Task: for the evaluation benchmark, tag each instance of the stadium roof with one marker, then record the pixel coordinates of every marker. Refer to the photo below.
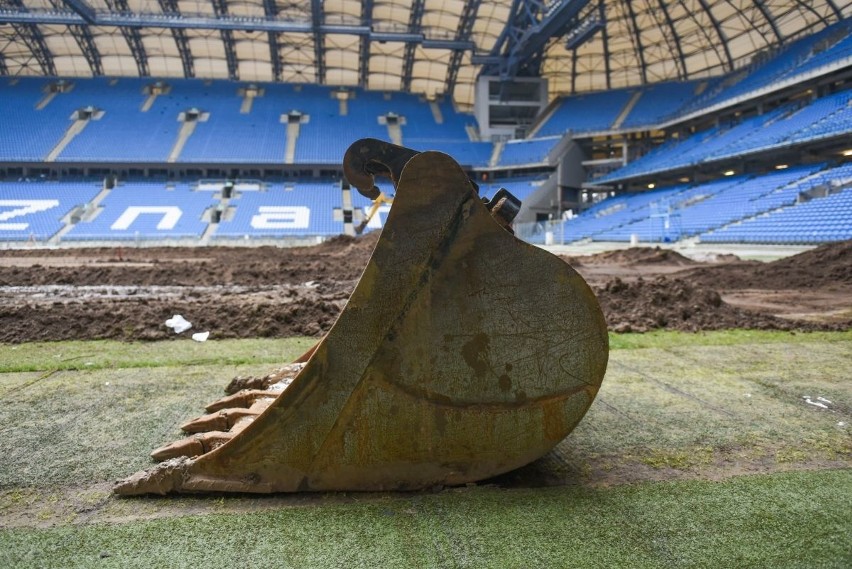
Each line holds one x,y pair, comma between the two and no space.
422,46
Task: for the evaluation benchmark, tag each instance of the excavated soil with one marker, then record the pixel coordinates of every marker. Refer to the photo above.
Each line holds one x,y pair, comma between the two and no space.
127,294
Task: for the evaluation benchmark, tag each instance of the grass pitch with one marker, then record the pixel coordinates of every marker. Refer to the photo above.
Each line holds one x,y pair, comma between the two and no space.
702,450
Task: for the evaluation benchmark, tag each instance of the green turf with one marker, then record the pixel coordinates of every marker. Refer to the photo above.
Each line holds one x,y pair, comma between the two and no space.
683,408
675,411
182,351
780,521
99,354
669,339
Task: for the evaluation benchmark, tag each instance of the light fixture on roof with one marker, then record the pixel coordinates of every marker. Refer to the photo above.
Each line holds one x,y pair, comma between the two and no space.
782,166
729,173
652,185
847,152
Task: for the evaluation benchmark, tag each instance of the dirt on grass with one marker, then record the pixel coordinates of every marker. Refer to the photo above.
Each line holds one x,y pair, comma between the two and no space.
128,293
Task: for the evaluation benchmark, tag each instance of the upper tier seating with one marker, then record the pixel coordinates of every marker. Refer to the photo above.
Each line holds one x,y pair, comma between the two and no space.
828,47
788,125
146,210
658,102
230,136
126,132
34,210
532,151
662,102
593,112
27,134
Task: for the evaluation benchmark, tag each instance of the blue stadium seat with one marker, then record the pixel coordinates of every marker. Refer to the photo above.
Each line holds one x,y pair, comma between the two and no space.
34,210
146,210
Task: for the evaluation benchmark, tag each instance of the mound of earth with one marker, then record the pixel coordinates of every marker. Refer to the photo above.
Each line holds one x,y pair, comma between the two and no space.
829,265
676,304
340,258
235,292
632,256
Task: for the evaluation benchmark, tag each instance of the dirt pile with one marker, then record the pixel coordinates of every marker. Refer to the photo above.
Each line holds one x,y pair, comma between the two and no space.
676,304
826,266
632,256
128,294
337,259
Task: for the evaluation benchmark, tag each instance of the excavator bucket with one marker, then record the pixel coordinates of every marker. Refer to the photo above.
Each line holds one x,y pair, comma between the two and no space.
462,353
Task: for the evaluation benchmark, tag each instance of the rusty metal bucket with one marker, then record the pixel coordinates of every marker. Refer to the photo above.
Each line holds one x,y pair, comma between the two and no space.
462,353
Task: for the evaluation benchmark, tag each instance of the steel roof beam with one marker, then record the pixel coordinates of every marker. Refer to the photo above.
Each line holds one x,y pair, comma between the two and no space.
761,6
317,18
33,38
270,10
414,20
31,35
722,38
676,37
177,21
468,17
220,8
640,49
605,39
132,37
807,6
170,7
835,9
83,36
531,25
364,61
86,12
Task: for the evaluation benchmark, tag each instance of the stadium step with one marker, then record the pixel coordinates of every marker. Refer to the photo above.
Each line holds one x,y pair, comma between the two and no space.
76,128
496,153
293,129
186,130
619,120
436,112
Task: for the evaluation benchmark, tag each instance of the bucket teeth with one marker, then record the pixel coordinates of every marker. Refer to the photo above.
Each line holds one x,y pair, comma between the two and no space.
220,421
226,419
245,398
192,446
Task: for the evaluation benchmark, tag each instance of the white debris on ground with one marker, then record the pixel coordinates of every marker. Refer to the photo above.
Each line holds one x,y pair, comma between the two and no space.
178,323
816,403
310,284
841,424
201,336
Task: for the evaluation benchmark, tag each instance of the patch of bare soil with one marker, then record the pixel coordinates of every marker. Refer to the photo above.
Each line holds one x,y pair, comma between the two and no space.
128,294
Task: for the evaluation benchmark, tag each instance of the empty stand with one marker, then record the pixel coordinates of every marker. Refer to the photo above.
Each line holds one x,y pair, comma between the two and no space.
586,113
523,152
284,209
34,211
679,212
786,126
144,211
